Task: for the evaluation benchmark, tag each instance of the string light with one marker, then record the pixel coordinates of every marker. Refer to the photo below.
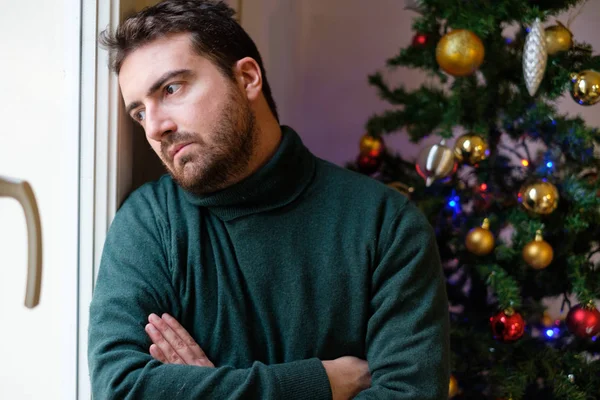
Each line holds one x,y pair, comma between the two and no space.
421,39
549,164
525,163
483,187
454,202
553,333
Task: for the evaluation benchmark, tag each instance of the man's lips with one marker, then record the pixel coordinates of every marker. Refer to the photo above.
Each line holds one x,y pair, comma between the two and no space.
176,149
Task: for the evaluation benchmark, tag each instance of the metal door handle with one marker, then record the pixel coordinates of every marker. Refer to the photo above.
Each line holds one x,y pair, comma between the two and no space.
22,192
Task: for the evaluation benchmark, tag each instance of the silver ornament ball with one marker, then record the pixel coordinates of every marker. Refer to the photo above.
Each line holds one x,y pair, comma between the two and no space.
435,162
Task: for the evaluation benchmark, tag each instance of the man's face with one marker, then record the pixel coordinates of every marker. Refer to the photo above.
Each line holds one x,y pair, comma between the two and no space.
198,121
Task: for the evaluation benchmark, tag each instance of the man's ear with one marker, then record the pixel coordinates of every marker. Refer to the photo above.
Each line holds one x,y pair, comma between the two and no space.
248,75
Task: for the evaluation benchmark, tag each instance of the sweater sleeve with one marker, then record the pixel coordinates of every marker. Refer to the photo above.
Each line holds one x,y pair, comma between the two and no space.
134,280
408,331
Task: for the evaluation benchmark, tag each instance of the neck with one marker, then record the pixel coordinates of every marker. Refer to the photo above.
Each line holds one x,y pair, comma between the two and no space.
268,138
278,182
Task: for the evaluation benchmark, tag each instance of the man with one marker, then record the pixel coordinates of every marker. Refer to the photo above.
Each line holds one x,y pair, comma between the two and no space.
255,270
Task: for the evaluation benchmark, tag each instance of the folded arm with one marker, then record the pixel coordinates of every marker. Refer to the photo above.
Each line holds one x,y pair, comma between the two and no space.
408,332
134,281
172,344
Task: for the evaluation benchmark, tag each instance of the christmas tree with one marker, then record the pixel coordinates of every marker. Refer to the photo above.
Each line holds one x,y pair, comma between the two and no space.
511,188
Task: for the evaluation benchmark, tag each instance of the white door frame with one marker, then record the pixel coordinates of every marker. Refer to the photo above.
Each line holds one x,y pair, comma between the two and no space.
105,159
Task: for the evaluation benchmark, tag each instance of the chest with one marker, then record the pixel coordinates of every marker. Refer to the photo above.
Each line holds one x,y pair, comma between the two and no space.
258,291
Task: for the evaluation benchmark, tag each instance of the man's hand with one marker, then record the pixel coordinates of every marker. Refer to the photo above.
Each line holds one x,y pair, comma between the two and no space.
348,376
172,344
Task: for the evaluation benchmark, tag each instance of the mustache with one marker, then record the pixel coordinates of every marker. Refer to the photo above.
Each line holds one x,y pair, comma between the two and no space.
176,138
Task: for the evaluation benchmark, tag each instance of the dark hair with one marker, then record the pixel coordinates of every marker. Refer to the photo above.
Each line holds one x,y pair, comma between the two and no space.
215,34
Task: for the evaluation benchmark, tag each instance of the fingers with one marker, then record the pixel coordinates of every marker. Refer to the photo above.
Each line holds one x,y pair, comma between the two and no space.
174,345
169,354
187,339
364,377
348,376
157,353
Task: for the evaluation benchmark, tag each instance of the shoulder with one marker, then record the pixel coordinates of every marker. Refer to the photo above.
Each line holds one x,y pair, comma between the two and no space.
380,211
361,191
152,192
368,208
150,201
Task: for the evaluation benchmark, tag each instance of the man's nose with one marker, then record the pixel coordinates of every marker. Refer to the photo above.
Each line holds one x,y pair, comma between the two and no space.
158,124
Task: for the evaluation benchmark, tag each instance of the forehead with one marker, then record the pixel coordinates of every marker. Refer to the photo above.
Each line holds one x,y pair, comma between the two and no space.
144,65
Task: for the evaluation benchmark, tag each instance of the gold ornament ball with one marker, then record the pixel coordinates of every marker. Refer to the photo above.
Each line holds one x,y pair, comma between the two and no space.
371,145
480,241
586,87
538,253
460,52
470,149
453,387
539,197
558,38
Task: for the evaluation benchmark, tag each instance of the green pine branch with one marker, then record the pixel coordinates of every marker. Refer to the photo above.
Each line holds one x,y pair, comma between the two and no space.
494,103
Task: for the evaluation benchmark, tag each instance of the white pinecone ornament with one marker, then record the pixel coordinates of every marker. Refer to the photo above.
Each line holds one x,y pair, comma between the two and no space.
535,57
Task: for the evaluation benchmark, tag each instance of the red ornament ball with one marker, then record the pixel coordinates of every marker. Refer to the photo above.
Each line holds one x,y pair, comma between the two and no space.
583,321
507,326
368,164
420,40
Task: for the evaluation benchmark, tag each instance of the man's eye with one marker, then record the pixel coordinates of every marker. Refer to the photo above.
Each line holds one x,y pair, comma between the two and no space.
139,115
172,88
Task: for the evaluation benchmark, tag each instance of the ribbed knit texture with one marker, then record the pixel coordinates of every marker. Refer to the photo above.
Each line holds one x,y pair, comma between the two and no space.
301,262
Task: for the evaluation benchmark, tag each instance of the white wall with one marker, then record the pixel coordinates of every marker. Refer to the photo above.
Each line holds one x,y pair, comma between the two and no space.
39,143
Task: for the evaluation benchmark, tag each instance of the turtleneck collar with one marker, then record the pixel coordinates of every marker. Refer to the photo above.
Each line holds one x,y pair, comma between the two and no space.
277,183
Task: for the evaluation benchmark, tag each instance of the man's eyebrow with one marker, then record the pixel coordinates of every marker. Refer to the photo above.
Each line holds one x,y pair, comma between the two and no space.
156,85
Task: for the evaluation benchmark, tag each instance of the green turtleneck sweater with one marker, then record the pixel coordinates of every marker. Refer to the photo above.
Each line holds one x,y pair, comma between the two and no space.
303,261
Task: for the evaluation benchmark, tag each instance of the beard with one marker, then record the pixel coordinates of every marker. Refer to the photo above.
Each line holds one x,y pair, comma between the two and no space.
217,165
